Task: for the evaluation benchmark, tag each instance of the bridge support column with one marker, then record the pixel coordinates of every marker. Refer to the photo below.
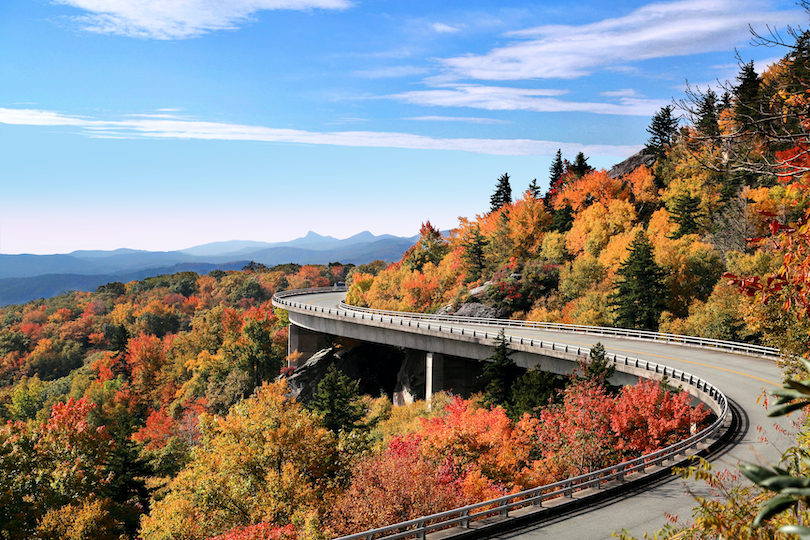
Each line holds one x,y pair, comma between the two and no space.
434,374
305,342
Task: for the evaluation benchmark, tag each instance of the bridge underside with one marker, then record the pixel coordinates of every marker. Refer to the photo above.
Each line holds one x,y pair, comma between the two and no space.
433,362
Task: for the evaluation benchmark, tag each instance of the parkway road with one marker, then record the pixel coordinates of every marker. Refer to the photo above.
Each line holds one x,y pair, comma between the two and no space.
743,379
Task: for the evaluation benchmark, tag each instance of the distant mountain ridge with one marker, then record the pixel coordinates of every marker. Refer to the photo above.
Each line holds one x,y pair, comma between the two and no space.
129,260
26,277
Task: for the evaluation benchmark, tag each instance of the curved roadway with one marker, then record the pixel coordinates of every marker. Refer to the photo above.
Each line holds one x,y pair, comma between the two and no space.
743,380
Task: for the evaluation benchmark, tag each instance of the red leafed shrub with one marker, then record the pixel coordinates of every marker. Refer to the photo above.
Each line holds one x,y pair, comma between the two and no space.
575,437
395,486
470,439
647,417
259,531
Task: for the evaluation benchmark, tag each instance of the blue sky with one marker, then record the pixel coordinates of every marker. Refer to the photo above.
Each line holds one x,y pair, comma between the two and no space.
164,124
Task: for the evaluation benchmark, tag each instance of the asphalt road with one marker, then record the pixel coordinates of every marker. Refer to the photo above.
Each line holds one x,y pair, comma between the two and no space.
743,379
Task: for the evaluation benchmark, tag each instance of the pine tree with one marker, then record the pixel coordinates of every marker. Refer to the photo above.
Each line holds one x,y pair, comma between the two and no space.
337,400
500,373
474,254
599,367
725,102
638,298
562,219
502,195
707,121
533,390
534,189
746,97
685,212
580,166
662,129
556,170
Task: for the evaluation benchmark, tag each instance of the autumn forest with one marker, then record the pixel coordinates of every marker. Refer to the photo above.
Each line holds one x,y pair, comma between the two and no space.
160,409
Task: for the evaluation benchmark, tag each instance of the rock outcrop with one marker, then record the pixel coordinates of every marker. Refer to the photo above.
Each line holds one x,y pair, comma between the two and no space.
631,164
479,310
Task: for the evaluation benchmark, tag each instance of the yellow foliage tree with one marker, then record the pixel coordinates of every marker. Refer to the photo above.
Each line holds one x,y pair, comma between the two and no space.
269,460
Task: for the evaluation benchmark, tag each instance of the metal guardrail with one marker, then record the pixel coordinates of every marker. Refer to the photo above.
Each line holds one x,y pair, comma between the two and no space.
645,335
463,516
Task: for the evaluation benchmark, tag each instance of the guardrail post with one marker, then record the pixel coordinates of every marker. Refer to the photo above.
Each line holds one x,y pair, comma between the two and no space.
420,530
503,511
465,523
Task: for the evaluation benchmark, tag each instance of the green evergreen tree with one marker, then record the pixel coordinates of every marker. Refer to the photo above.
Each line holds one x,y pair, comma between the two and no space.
534,189
747,109
725,102
639,295
474,254
662,130
580,166
556,170
337,401
707,121
500,373
599,367
533,390
685,212
562,219
502,195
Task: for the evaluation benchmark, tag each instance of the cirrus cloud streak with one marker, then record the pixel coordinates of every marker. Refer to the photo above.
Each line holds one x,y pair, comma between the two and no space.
180,19
160,127
657,30
496,98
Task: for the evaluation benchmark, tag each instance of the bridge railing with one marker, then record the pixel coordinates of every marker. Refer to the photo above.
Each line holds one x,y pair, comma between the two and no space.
644,335
615,475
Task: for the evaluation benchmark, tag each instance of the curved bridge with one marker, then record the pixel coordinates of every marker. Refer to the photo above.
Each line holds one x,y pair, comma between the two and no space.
595,505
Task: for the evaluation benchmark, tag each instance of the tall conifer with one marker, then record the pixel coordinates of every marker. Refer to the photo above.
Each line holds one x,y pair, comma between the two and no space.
747,108
337,400
474,254
638,298
502,195
662,132
556,170
580,166
707,121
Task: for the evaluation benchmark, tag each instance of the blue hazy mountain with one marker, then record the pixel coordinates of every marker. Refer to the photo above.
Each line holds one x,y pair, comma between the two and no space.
26,277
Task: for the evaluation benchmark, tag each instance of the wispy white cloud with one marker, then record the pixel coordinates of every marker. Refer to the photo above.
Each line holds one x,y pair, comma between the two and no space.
497,98
442,28
180,19
469,120
625,92
391,72
657,30
163,128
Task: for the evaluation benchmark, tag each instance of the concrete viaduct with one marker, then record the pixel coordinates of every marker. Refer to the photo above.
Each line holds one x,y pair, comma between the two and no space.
741,372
